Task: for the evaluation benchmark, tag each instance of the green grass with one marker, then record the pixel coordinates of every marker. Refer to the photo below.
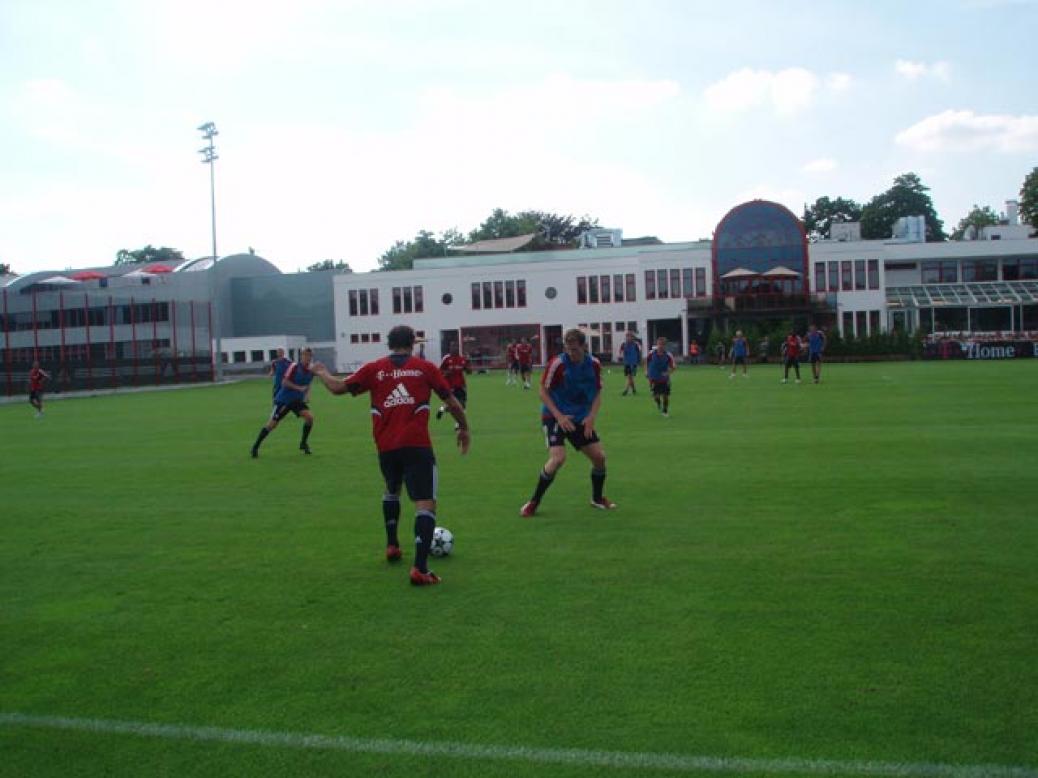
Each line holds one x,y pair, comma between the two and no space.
843,571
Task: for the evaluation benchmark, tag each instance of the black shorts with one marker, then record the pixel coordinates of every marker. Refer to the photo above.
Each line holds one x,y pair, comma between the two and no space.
554,435
660,388
296,407
35,394
792,362
413,466
739,360
630,369
461,395
525,368
816,357
515,365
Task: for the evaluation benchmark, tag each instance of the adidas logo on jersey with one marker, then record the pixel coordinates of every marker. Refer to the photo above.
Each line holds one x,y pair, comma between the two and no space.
399,396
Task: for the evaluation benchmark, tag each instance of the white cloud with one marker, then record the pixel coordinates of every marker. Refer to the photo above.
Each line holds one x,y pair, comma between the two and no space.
914,70
822,165
786,92
967,131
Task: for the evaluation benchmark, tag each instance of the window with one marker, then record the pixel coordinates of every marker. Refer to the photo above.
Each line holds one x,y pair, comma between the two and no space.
687,289
581,290
819,276
618,288
862,323
499,294
239,357
873,274
834,276
408,301
592,289
848,324
419,300
675,282
700,282
603,284
630,292
1019,269
845,267
946,272
510,294
374,301
447,298
488,295
398,300
650,285
375,337
363,295
859,274
365,337
353,302
272,354
475,296
256,355
520,293
980,270
661,284
874,322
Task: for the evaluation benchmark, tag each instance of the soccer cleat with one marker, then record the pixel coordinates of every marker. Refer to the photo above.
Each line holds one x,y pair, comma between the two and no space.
528,510
255,453
393,553
305,448
603,503
666,414
785,380
439,413
798,380
418,578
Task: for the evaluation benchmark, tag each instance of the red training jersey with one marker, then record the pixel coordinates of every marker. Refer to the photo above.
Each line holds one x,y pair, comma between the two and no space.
525,353
792,346
510,353
400,392
36,379
454,367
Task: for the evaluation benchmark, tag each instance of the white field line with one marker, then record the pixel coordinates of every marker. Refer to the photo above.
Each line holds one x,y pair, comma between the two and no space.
563,756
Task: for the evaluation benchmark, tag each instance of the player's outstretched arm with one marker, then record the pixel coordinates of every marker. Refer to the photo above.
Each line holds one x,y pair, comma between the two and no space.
332,383
455,410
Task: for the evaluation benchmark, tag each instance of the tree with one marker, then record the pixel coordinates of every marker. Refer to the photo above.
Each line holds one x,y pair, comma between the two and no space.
978,219
1029,200
552,230
5,269
330,264
402,254
907,197
820,217
148,254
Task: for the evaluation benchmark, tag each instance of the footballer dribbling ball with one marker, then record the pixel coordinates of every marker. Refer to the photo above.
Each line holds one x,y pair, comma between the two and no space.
442,542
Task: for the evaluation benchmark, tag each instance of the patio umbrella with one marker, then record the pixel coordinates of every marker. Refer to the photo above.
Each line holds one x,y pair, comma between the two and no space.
87,275
739,272
781,272
58,281
158,269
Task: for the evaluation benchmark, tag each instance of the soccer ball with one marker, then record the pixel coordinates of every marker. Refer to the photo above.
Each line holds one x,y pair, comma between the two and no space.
442,542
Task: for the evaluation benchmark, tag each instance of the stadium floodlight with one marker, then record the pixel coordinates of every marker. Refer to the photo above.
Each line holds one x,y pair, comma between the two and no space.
209,157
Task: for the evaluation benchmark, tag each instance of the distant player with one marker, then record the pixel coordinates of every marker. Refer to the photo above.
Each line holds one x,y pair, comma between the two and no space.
693,353
454,367
631,356
37,378
815,347
291,398
791,350
659,364
719,352
401,386
524,353
740,354
512,360
277,370
571,393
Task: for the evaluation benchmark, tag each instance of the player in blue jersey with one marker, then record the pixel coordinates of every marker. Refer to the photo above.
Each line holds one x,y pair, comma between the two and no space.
571,393
291,398
277,370
659,364
740,354
815,348
631,356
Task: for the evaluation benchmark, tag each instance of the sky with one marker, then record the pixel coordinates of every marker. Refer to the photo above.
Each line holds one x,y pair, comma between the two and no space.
347,126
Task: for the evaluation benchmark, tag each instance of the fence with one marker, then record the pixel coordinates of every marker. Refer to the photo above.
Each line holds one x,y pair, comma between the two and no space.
90,342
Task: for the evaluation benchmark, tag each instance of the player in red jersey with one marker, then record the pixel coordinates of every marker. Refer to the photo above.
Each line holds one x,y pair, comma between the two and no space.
454,367
512,362
524,352
791,348
400,386
37,376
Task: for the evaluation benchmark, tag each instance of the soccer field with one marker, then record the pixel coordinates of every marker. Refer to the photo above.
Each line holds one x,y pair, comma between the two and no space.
834,579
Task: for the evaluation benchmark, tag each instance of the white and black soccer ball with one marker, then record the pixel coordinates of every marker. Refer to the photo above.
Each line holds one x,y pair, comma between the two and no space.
442,542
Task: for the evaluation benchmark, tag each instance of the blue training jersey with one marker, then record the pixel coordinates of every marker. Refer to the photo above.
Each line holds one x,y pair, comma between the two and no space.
815,342
658,364
573,386
298,375
632,353
740,348
280,366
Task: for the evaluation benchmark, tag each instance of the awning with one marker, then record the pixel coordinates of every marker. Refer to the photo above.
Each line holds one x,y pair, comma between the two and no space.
739,272
986,294
781,272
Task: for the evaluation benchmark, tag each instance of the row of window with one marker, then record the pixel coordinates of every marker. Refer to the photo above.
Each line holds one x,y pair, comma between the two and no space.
617,288
948,271
602,334
675,283
98,316
487,295
860,324
847,275
364,337
406,299
82,352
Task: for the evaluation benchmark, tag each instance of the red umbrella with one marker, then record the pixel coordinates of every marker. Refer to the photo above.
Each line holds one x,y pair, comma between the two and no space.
87,275
158,269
